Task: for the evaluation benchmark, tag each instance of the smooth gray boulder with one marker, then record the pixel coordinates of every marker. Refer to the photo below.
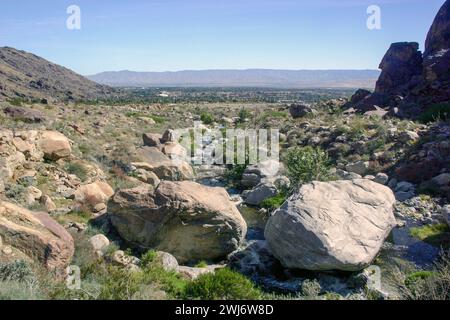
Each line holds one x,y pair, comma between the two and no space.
339,225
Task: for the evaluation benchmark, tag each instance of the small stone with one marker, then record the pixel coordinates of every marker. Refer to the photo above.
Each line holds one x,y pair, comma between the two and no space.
446,213
442,179
360,167
7,250
408,137
167,261
48,203
392,183
34,192
99,242
100,208
381,178
404,186
403,196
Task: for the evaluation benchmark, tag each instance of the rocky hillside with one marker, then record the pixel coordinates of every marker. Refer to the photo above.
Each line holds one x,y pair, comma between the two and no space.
28,77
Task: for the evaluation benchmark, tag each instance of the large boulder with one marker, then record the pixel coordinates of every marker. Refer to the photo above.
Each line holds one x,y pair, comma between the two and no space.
298,110
188,220
153,160
266,171
54,145
337,225
402,62
94,193
36,235
152,139
258,194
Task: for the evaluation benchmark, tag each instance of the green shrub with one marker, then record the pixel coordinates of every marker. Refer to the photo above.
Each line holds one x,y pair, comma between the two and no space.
77,169
148,258
207,118
201,264
235,173
413,278
16,271
437,112
17,102
224,284
429,285
435,234
306,164
243,115
274,202
15,290
311,289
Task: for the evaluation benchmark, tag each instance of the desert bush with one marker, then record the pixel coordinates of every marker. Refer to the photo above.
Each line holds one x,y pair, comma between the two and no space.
311,289
306,164
437,112
275,202
243,115
429,285
16,271
207,118
77,169
224,284
234,174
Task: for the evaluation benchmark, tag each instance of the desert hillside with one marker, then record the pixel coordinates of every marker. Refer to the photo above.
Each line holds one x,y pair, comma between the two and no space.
26,76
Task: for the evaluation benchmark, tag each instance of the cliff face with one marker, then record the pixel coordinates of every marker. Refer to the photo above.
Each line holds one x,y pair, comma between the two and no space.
411,81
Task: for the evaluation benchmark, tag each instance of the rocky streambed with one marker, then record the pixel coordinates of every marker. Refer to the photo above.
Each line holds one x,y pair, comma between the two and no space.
400,251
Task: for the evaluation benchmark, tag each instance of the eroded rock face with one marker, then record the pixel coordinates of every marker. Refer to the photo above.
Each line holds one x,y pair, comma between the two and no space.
438,37
338,225
402,62
188,220
436,66
36,235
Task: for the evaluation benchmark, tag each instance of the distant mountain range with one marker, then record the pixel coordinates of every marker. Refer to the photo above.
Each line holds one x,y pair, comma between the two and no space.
24,75
242,78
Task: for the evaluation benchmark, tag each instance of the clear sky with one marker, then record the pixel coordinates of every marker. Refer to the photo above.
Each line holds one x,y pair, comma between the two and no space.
169,35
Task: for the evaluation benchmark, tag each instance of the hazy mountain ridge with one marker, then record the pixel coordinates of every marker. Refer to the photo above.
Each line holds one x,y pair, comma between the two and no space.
242,78
26,76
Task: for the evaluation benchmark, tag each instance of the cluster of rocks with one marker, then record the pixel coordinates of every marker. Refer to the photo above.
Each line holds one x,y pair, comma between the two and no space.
29,155
411,81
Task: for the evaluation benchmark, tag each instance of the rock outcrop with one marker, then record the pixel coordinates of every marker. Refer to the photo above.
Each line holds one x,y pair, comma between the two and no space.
402,62
410,82
190,221
299,110
36,235
154,160
338,225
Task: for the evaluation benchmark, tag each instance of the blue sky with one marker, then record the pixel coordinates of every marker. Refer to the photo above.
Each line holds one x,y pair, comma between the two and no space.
169,35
